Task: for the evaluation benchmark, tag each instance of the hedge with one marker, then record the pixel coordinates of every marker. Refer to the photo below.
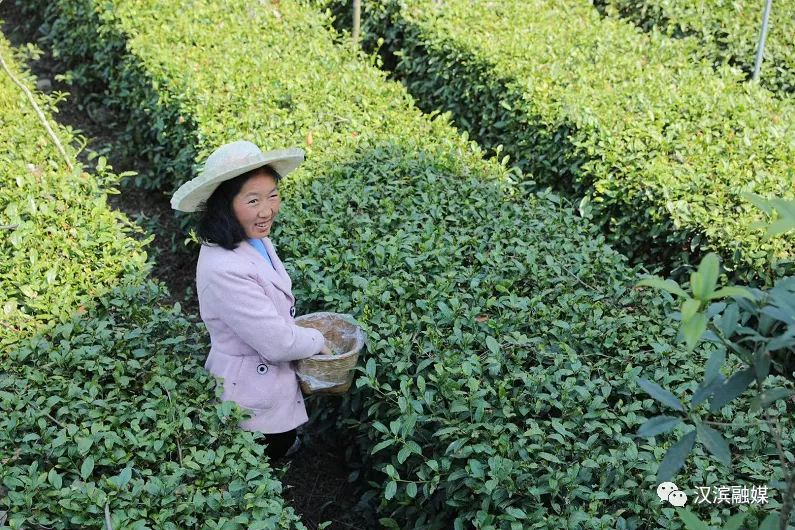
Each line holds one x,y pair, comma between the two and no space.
659,145
64,245
503,333
727,31
103,397
113,408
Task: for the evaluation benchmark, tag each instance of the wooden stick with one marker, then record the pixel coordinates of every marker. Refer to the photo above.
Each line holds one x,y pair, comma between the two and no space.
357,15
108,523
38,111
9,227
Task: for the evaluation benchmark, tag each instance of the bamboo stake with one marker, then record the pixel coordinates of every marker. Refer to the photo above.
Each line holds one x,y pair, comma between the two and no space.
108,523
357,17
760,49
38,111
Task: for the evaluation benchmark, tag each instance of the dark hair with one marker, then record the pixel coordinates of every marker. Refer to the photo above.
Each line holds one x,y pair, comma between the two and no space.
217,223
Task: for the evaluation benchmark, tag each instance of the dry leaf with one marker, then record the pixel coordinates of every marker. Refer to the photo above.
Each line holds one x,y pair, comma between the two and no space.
277,14
309,139
482,318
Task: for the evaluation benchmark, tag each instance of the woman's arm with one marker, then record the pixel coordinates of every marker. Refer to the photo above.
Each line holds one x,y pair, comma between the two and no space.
241,304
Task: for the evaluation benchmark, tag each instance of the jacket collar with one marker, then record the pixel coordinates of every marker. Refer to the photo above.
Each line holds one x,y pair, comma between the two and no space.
277,274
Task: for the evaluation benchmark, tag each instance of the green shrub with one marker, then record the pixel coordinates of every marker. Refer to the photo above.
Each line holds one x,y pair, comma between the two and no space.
102,400
659,145
728,31
114,408
503,332
68,246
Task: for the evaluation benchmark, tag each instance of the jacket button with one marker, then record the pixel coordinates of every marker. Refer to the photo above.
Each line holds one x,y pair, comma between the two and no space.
292,311
262,369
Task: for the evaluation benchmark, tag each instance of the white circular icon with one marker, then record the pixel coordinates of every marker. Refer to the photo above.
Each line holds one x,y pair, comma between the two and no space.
669,492
677,498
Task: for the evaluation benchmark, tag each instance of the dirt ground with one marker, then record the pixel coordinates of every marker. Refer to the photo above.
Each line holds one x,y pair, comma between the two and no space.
315,481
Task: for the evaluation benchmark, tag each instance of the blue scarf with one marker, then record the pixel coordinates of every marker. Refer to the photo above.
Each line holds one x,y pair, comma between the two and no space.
260,246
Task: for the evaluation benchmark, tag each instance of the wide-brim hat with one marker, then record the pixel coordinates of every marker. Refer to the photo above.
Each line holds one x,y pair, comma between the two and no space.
227,162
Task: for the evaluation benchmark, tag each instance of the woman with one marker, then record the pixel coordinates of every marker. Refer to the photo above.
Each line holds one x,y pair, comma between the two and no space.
245,296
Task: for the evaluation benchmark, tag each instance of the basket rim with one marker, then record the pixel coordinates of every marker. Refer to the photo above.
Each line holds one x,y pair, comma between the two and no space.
324,357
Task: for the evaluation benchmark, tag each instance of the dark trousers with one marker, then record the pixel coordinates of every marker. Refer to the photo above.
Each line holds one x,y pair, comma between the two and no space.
278,444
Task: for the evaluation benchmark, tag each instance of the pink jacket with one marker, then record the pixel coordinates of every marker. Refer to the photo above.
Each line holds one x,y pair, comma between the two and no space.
248,308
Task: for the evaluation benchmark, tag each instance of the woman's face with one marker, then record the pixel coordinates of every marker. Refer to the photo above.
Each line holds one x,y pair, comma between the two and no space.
256,205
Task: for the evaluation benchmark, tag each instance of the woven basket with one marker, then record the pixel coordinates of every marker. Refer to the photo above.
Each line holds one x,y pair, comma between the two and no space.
330,374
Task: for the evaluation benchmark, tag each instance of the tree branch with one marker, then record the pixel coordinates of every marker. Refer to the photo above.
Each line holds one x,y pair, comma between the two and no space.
38,111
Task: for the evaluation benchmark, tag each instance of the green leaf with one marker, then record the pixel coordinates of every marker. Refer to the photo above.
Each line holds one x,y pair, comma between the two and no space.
493,345
382,445
729,320
675,457
735,386
696,284
660,394
666,285
770,523
84,445
391,489
766,398
731,291
476,468
691,520
387,522
370,367
411,489
55,479
734,522
760,202
714,442
703,392
761,364
694,329
779,226
87,468
714,364
124,477
658,425
515,512
708,270
689,308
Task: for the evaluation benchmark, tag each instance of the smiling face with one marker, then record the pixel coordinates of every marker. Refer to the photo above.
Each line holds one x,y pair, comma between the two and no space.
257,204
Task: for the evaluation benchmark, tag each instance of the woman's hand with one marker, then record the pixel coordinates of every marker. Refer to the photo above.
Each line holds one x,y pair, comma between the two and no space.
325,350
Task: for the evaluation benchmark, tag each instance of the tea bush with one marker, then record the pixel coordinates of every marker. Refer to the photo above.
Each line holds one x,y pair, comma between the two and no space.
659,144
113,409
64,246
749,328
728,32
102,399
504,334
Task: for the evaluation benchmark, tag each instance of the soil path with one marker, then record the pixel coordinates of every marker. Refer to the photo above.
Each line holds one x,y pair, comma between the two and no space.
315,482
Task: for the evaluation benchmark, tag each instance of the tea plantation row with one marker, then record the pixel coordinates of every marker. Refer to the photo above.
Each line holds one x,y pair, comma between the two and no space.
102,399
62,245
504,334
728,31
660,145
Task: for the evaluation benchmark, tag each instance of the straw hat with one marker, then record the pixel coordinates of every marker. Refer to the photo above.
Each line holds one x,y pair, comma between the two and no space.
227,162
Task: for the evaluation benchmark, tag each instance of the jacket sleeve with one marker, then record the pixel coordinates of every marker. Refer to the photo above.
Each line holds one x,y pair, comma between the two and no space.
252,315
